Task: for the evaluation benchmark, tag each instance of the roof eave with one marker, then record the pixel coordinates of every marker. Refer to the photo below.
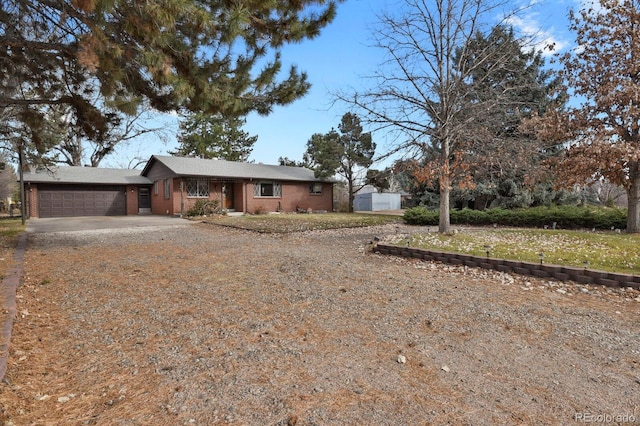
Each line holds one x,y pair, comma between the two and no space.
147,166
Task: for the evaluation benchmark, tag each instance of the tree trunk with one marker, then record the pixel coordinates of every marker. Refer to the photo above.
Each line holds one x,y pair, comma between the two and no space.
633,194
445,221
445,186
351,197
75,150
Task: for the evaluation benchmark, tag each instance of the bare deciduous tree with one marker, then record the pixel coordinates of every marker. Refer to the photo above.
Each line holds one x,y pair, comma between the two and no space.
424,90
77,149
8,180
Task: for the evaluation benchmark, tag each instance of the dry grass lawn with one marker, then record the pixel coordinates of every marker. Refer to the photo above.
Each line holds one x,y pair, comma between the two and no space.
206,325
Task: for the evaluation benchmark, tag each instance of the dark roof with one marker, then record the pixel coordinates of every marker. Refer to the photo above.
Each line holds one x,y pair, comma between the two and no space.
180,166
88,175
187,166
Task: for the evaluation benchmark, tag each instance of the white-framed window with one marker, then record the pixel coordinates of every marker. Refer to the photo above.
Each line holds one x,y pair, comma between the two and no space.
198,188
267,189
155,188
315,188
167,188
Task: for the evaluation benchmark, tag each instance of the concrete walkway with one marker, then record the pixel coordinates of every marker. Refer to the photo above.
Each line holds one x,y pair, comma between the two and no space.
86,223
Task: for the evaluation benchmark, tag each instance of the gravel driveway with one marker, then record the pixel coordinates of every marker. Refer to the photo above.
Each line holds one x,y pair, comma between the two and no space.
207,325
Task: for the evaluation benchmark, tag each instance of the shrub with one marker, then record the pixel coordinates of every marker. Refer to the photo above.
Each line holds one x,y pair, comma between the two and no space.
565,217
421,216
204,207
468,216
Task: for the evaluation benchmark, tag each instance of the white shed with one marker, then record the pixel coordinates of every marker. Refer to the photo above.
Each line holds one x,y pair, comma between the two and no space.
374,201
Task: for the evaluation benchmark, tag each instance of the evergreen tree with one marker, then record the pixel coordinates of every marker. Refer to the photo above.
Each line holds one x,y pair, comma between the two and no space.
286,161
216,56
214,136
496,148
341,152
379,179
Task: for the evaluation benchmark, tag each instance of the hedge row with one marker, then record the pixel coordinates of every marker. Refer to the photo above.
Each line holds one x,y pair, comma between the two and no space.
565,217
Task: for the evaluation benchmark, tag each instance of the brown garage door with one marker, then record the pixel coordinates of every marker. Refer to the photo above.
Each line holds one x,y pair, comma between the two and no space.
81,200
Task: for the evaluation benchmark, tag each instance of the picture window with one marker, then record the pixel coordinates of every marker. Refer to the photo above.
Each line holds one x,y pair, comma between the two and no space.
267,189
198,188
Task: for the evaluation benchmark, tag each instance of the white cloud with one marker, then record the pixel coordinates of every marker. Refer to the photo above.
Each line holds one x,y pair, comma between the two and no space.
546,40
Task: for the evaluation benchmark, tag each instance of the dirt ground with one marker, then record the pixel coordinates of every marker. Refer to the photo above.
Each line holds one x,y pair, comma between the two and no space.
203,325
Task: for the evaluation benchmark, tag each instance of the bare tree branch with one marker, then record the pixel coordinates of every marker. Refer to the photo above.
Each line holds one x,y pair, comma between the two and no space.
422,91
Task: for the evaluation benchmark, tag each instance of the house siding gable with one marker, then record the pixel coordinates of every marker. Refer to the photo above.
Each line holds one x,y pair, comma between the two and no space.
159,171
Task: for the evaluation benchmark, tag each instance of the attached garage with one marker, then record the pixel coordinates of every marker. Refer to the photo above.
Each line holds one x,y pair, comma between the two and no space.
81,200
86,191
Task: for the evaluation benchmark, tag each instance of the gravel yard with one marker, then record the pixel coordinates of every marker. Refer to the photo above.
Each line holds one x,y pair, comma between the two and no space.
202,325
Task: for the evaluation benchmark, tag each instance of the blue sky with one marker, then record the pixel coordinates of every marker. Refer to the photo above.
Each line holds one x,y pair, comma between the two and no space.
337,60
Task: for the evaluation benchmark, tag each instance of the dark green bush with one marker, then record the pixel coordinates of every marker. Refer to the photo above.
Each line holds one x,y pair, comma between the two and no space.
471,217
563,217
421,216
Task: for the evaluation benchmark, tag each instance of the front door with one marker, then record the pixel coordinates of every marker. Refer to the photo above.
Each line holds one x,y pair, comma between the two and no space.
227,196
144,199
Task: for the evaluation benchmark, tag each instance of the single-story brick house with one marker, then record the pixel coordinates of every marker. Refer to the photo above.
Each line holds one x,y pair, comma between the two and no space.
172,185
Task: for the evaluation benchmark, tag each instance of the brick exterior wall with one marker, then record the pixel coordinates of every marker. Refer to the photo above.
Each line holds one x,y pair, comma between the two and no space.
31,195
159,204
182,203
560,273
294,195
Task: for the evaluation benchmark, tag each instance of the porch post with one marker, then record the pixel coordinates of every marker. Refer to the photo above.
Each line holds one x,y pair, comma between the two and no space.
246,195
181,197
243,196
